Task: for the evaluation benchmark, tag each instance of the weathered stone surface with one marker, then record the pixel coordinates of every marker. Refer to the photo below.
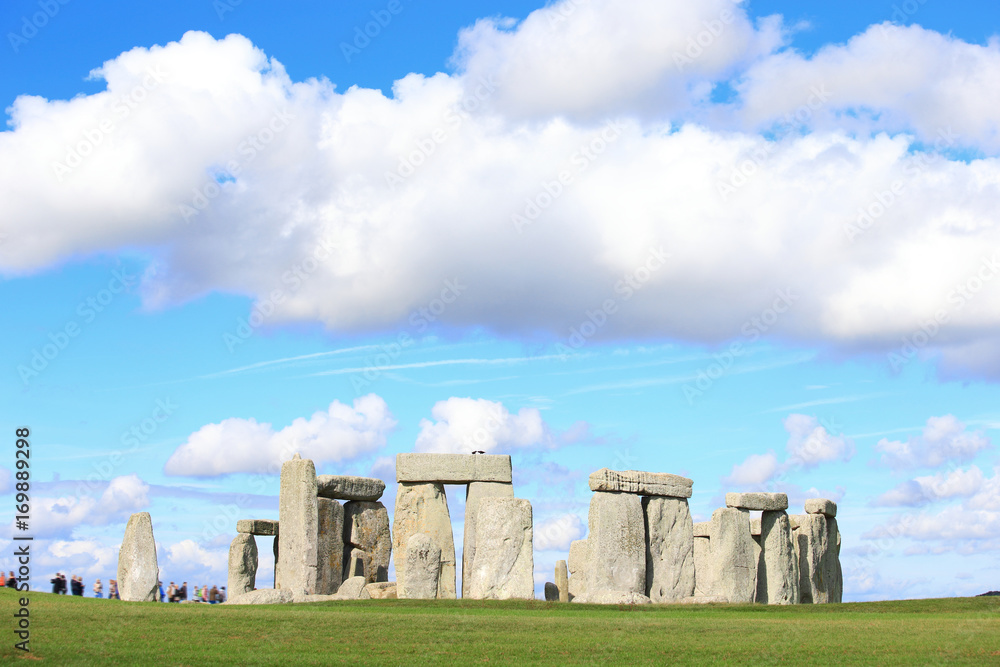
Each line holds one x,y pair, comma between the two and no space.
733,555
813,542
562,580
702,529
579,568
755,527
757,501
382,590
504,564
242,565
453,468
348,487
355,564
423,508
352,589
831,562
266,527
705,599
703,579
617,543
641,483
617,597
274,548
298,512
778,571
329,546
551,592
821,506
421,567
670,572
138,573
366,527
263,596
475,492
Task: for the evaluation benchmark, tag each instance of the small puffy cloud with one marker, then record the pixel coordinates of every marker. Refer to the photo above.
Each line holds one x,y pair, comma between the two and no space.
6,480
188,552
943,439
756,470
923,490
122,496
810,444
464,425
244,445
87,557
556,534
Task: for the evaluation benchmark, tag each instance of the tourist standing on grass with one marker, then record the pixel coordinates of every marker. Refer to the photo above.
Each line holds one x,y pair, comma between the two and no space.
222,594
55,584
112,589
213,595
3,579
11,581
159,586
172,592
98,588
184,591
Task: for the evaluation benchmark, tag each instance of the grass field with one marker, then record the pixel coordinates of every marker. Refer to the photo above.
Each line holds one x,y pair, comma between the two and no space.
67,630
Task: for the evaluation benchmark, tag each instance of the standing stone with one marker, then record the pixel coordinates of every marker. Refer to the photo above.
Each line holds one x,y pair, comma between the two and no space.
670,572
421,507
355,564
418,578
562,580
831,562
138,575
777,573
504,565
298,514
242,565
551,592
366,527
579,567
733,555
329,546
275,549
703,579
475,492
617,543
813,542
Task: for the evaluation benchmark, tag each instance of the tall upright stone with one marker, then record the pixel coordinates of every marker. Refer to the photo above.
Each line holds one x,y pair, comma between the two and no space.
421,507
242,565
617,542
733,555
579,569
703,578
813,540
298,515
831,563
138,574
562,580
417,579
475,492
778,571
503,568
670,574
274,548
366,527
329,546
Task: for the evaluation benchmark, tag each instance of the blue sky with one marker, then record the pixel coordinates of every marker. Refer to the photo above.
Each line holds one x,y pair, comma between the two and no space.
751,243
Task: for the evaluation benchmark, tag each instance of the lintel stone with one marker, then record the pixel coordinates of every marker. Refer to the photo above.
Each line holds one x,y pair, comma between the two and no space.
641,483
348,487
757,501
453,468
264,527
821,506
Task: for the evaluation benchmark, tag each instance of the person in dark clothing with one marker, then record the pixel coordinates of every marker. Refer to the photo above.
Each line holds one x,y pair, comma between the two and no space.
11,581
62,584
183,593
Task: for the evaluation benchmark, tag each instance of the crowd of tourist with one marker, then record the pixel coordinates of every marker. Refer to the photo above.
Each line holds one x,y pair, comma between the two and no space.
173,592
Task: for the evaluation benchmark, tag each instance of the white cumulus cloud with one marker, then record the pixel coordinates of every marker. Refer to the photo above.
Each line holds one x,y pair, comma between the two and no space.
943,439
944,485
809,443
58,516
464,425
557,533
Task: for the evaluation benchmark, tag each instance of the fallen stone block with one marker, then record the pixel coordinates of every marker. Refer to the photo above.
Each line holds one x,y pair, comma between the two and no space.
263,596
551,592
618,597
138,574
421,567
641,483
329,546
757,501
423,508
579,567
821,506
617,542
705,599
348,487
475,492
777,572
366,528
242,577
298,514
562,580
453,468
503,568
382,590
353,589
734,555
264,527
670,572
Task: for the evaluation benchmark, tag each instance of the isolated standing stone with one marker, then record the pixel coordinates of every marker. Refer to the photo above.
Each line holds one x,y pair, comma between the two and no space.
579,567
504,565
242,565
551,592
421,567
329,546
348,487
453,468
670,572
298,514
423,508
733,555
366,527
813,543
778,572
137,571
475,492
703,580
641,483
562,580
617,543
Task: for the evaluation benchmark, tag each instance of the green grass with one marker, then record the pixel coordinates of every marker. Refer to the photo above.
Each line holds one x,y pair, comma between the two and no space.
67,630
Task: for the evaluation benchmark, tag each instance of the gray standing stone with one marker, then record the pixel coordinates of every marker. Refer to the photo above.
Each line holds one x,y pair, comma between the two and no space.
504,565
242,565
453,468
734,555
778,572
579,568
265,527
421,567
329,546
298,514
274,547
475,492
617,543
562,580
138,574
813,542
641,483
366,527
348,487
831,562
703,580
757,501
670,572
551,592
355,564
423,508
